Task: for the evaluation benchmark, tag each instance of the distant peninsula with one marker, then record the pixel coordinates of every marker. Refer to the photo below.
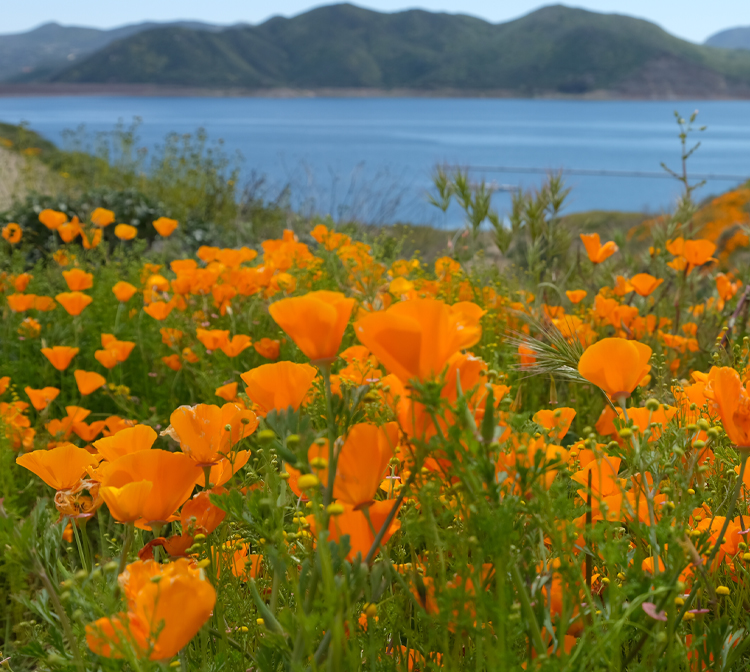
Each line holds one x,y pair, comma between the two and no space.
344,50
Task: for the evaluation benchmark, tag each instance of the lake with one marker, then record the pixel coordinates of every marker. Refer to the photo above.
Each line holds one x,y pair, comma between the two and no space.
373,158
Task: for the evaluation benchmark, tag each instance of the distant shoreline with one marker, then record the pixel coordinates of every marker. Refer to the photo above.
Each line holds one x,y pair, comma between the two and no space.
155,90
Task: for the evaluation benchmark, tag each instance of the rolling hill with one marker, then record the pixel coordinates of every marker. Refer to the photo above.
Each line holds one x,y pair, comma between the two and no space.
51,47
554,50
733,38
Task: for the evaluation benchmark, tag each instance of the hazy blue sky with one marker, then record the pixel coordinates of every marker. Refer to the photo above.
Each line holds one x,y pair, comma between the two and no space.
690,19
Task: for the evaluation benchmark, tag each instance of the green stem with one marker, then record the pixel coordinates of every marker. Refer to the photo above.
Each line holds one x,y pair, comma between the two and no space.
735,496
328,495
536,635
81,554
391,515
62,615
126,547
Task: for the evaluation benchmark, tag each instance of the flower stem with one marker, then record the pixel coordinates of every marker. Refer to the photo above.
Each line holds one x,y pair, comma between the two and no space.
126,547
536,635
735,495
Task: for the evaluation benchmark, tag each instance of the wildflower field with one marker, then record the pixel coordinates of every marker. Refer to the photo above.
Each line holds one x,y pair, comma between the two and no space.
309,451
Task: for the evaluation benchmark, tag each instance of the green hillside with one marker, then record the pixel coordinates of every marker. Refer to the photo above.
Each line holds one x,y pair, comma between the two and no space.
555,49
45,50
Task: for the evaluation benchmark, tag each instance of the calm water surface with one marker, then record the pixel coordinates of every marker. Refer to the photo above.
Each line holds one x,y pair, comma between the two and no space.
372,158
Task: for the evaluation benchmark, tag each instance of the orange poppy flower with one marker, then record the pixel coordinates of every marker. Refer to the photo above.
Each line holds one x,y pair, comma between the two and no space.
78,280
279,386
12,233
536,452
604,471
124,291
62,429
163,615
88,432
576,295
88,381
44,303
62,467
644,419
242,564
70,230
268,348
315,322
126,441
106,358
202,432
237,345
733,401
22,280
20,303
228,391
159,310
363,461
52,219
224,469
173,476
698,252
616,365
189,356
165,227
102,217
213,339
73,302
644,284
558,420
120,349
596,251
353,523
40,399
125,232
173,362
199,514
416,338
126,504
60,356
29,328
96,238
157,282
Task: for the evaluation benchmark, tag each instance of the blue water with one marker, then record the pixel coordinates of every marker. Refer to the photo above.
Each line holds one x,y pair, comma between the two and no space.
372,158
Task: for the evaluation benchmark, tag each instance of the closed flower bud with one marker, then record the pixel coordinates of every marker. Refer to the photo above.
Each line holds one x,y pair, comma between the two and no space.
308,481
335,509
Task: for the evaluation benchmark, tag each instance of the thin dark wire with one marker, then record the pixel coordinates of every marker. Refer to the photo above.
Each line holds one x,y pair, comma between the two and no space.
597,173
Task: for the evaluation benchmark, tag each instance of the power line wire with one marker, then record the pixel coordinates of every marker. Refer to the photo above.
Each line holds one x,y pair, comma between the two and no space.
599,173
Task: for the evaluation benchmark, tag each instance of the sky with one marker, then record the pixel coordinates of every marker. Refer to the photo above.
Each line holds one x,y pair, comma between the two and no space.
690,19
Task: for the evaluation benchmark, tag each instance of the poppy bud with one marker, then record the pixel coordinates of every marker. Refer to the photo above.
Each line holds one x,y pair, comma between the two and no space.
335,509
266,436
307,482
652,404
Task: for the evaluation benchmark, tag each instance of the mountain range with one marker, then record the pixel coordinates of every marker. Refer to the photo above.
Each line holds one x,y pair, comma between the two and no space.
50,48
556,50
733,38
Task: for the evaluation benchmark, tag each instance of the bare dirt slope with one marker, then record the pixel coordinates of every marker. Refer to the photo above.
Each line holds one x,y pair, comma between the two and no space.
20,175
